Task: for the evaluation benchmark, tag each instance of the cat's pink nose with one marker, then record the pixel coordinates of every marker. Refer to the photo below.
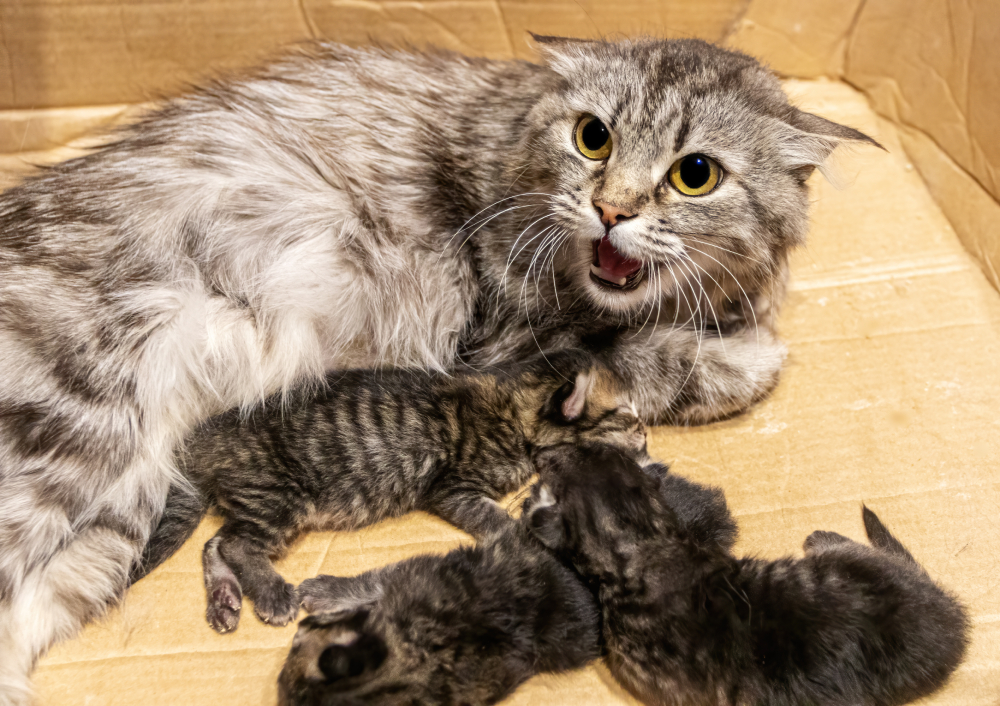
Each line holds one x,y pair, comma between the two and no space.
611,215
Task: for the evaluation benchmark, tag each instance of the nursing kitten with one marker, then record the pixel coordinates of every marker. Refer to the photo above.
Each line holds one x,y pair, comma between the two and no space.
685,622
345,208
380,443
464,628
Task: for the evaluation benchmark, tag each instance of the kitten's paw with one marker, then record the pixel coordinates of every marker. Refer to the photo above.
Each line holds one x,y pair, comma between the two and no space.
323,594
821,539
278,606
224,605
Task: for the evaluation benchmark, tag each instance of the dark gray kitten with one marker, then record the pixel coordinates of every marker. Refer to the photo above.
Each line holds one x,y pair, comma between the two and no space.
343,208
685,622
464,628
378,444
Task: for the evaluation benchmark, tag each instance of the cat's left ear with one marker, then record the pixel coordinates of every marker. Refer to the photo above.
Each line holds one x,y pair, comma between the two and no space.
807,140
564,55
568,402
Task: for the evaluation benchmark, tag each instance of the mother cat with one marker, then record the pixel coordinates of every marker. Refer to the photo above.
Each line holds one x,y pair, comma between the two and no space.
346,207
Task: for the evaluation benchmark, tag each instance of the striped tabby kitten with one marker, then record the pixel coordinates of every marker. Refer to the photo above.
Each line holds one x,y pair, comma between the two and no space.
378,444
342,208
685,622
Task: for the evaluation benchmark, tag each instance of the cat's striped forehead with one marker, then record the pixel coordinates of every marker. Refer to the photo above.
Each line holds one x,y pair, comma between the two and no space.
666,96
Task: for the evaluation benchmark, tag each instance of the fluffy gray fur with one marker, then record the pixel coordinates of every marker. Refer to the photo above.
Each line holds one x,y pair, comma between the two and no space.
356,207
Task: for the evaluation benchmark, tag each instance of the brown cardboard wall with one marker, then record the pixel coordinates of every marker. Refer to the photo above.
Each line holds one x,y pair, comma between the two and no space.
801,39
933,67
57,54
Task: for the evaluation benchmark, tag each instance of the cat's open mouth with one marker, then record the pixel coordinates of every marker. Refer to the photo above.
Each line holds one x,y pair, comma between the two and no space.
613,270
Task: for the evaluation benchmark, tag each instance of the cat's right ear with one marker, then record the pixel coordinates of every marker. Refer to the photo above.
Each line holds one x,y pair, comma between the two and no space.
357,659
545,521
807,140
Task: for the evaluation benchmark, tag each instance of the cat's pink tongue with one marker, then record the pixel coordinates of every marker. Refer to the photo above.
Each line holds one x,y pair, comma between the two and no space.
613,266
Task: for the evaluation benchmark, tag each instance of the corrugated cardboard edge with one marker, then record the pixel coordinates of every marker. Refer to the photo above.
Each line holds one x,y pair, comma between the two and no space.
973,213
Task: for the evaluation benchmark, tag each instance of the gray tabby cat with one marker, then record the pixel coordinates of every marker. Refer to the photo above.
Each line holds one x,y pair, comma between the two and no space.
377,444
359,207
685,622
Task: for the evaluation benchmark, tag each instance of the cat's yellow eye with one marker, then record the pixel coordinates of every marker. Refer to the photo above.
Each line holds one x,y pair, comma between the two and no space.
593,138
695,175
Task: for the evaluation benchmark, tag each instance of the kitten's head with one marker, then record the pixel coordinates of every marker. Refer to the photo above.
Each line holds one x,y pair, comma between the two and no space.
591,408
596,507
663,159
332,653
346,657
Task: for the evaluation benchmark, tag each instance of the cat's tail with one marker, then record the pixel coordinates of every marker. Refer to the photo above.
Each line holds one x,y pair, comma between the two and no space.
881,538
184,510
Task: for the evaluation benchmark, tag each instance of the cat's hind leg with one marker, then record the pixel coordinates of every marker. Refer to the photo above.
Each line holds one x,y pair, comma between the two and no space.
74,586
821,540
225,597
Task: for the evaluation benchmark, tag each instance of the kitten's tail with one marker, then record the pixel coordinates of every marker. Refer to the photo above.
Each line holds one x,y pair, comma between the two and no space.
881,538
184,510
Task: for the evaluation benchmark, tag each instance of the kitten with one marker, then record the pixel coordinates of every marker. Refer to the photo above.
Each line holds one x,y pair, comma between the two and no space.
378,444
343,208
685,622
464,628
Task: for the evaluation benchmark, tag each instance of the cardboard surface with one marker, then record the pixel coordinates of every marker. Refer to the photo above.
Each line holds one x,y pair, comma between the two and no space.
889,398
801,39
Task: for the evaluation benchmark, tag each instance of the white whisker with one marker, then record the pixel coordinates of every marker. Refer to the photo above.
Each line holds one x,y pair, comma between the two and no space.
747,296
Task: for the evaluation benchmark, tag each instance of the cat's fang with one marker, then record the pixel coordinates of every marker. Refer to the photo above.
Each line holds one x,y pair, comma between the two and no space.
599,276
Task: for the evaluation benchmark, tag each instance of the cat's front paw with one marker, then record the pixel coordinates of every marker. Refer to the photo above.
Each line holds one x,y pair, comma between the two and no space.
728,374
224,603
323,594
277,606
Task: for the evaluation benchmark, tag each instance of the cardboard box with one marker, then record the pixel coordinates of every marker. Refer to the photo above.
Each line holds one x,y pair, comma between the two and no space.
890,395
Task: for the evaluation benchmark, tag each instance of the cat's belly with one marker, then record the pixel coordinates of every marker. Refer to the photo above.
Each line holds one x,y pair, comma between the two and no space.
410,311
339,305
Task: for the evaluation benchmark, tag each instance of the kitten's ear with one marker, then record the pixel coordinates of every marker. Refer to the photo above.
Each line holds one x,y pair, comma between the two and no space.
566,404
544,521
563,55
359,658
808,139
